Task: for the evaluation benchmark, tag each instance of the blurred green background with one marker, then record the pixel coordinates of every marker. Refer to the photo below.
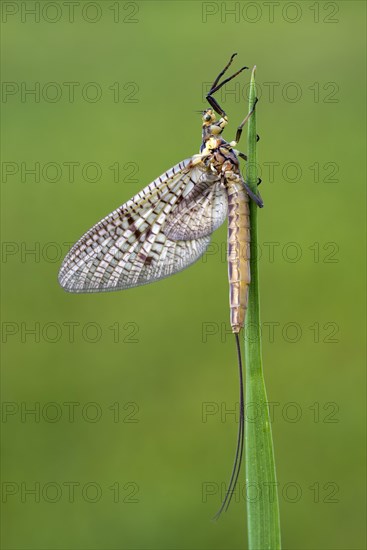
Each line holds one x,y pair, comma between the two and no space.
133,437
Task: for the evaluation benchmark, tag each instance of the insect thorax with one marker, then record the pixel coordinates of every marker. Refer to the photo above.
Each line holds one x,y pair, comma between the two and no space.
219,155
216,152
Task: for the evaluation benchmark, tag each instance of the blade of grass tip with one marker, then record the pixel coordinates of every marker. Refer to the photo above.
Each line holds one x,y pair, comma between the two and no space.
261,484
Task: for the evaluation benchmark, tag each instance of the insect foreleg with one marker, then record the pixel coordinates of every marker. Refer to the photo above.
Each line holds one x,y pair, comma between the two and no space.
215,105
215,87
224,70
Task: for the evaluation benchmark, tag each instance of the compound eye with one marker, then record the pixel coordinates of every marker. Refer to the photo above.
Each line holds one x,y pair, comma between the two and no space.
207,117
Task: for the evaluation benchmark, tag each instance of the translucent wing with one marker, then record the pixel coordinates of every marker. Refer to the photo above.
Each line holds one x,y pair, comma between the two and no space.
129,247
201,212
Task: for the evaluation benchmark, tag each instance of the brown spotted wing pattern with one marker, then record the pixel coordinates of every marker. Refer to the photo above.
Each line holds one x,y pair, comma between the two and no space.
160,231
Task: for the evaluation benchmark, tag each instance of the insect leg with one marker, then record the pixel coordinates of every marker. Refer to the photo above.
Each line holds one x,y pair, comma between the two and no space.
244,157
253,196
215,87
241,155
239,129
222,72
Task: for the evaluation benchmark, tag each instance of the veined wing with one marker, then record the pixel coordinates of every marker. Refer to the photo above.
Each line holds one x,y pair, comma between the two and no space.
200,212
128,247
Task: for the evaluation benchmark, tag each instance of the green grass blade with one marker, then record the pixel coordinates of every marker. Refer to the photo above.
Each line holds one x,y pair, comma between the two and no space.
262,495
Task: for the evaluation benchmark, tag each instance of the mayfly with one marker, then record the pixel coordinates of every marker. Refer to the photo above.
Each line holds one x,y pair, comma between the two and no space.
168,226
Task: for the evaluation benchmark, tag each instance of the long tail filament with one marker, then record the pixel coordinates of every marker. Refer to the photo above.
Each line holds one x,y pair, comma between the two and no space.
240,439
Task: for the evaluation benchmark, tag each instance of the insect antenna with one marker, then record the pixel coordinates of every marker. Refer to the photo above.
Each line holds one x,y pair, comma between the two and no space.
240,439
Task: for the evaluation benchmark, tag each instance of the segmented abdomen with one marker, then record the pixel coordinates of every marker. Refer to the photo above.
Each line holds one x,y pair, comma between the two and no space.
238,254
